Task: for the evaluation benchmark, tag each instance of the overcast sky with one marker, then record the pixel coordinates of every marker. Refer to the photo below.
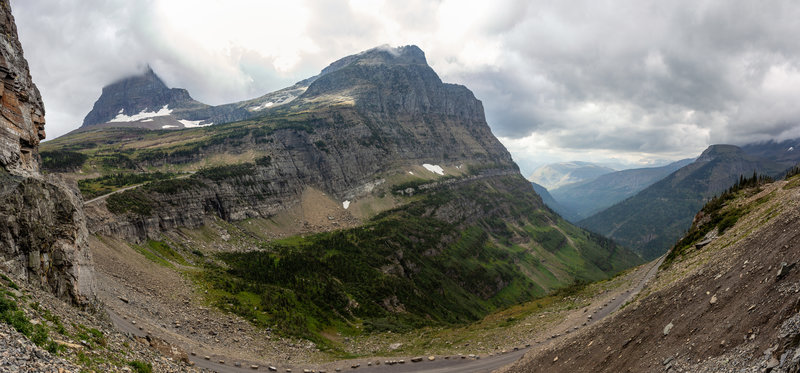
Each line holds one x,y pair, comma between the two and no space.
633,82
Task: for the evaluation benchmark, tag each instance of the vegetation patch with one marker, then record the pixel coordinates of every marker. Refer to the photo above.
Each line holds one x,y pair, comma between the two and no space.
62,160
227,172
141,366
91,188
133,201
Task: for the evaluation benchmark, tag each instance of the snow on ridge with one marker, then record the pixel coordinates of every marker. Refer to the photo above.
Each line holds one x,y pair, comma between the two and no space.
346,204
282,99
193,123
142,115
169,126
435,168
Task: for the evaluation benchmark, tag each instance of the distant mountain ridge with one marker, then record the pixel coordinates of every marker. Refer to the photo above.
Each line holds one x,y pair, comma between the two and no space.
555,175
588,197
651,221
551,202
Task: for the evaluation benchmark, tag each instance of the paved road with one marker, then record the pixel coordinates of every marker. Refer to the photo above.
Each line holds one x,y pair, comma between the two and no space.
442,364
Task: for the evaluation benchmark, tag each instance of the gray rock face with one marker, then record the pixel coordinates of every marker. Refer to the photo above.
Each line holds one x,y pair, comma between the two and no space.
43,231
21,108
44,235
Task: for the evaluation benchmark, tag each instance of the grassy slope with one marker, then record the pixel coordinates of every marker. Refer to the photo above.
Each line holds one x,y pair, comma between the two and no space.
405,269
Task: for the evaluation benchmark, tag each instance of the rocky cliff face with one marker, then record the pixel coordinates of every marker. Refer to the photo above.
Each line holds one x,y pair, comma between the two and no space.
43,231
21,108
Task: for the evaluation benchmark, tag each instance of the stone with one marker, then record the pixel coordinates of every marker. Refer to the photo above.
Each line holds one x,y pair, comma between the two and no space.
668,328
783,270
713,299
431,358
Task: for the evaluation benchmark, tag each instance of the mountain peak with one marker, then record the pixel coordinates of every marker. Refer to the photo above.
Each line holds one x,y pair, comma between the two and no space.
144,92
381,55
715,151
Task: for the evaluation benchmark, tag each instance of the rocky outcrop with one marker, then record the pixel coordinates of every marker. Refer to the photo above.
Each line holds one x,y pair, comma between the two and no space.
43,230
43,236
21,108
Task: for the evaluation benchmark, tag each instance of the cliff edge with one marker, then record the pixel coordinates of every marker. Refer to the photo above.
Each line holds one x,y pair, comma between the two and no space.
43,235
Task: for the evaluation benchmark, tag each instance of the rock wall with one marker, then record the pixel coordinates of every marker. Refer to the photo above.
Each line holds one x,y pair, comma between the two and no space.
21,107
43,235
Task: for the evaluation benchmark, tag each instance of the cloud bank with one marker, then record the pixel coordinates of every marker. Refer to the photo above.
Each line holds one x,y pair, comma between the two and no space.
633,81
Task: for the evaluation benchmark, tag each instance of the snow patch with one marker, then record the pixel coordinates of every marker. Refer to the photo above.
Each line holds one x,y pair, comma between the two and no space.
193,123
282,99
169,126
148,120
435,168
410,172
142,115
346,204
791,148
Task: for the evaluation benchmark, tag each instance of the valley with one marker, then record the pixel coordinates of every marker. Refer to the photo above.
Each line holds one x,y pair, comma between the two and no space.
369,218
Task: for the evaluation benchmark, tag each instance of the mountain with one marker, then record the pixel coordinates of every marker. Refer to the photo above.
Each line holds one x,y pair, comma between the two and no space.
556,175
550,202
376,199
786,152
650,221
588,197
144,101
723,301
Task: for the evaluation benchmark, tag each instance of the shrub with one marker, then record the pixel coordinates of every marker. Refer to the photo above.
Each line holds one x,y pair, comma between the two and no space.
141,366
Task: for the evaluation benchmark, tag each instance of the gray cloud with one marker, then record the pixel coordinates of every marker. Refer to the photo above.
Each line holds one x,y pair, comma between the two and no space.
632,79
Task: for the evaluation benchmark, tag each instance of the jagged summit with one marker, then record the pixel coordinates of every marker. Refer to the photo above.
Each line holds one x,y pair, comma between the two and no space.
124,99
